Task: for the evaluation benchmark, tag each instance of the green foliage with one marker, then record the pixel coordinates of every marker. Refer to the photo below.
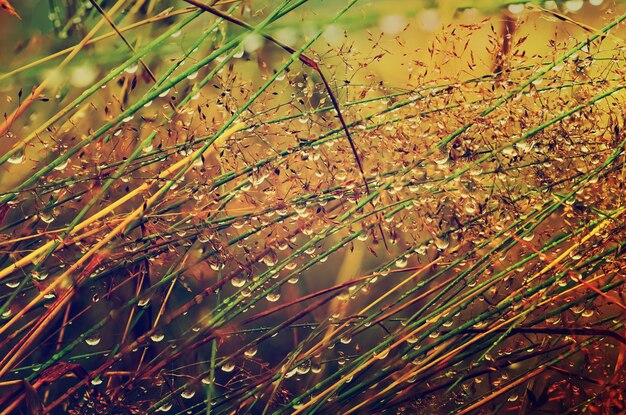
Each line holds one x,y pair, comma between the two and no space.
233,209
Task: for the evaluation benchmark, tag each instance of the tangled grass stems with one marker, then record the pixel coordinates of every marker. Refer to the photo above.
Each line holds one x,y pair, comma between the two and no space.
218,244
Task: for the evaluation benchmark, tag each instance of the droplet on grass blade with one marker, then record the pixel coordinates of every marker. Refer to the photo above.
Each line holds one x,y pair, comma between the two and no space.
93,341
17,157
228,367
62,165
272,297
131,69
188,394
382,354
12,284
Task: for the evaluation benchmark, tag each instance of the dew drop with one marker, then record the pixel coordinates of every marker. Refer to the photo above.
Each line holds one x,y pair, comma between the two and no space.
46,217
250,352
270,259
12,284
382,354
17,157
132,68
228,367
39,275
272,297
188,394
143,302
304,368
92,341
238,282
401,262
62,166
441,243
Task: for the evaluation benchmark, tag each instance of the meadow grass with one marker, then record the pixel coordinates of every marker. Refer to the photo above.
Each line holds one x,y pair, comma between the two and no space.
218,208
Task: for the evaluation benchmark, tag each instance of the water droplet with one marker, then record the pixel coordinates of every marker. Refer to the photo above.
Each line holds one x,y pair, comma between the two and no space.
291,373
157,337
587,313
401,262
131,68
143,302
250,352
188,394
509,152
238,282
272,297
12,284
92,341
442,243
39,275
304,367
382,354
270,259
345,339
46,217
62,165
228,367
341,175
17,157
